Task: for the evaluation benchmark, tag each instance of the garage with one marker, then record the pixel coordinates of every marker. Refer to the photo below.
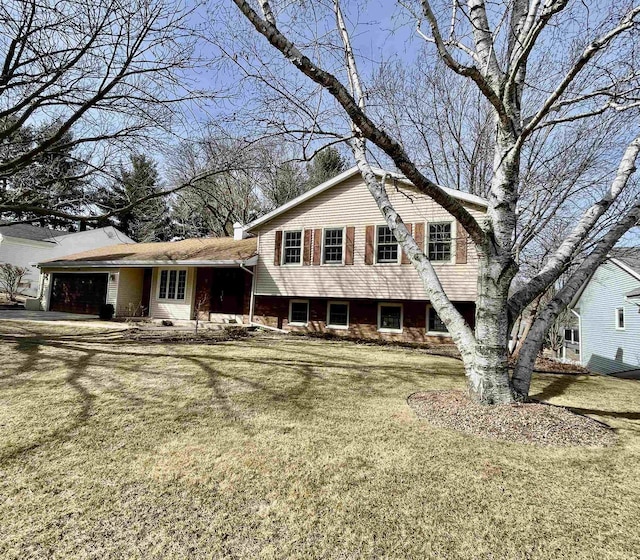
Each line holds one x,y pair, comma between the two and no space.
78,292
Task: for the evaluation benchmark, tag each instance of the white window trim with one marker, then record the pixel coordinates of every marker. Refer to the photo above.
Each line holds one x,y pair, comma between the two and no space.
339,327
284,232
624,319
454,233
344,234
426,326
375,249
385,304
291,302
186,286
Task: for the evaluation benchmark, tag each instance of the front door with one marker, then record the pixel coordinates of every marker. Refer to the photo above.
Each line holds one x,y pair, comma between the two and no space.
227,291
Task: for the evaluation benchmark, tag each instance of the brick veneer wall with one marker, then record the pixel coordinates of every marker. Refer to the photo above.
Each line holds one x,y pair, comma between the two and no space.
363,318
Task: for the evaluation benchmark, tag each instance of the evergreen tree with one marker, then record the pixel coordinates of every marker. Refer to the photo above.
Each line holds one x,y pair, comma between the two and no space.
149,220
326,164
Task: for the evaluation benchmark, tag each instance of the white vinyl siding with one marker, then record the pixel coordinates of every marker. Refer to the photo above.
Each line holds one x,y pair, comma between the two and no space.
351,204
172,309
130,283
605,348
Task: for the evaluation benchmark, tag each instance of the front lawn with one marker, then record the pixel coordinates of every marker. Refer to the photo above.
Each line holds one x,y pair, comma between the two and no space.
288,448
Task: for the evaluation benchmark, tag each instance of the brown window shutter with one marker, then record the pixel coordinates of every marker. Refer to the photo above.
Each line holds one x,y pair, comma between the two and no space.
369,244
405,258
419,235
349,244
306,249
461,244
317,246
277,252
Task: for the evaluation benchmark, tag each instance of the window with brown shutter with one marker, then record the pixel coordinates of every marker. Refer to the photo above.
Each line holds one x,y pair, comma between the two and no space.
317,246
349,245
369,244
461,244
277,252
405,257
306,249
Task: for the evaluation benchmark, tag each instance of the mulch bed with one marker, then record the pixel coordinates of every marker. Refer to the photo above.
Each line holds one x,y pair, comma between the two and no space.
171,336
532,423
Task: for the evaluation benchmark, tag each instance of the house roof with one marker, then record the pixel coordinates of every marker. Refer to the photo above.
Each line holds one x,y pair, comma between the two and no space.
466,197
217,251
33,233
627,258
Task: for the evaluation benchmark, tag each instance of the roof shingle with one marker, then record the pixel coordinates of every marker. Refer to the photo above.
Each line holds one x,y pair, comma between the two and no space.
203,249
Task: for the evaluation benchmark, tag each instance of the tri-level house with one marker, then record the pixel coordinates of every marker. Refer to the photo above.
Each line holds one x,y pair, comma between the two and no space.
323,262
327,262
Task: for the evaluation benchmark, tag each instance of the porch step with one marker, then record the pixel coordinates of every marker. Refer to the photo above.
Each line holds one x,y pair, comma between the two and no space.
226,318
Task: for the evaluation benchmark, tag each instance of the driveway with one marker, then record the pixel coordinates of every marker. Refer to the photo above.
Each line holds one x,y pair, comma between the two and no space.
57,317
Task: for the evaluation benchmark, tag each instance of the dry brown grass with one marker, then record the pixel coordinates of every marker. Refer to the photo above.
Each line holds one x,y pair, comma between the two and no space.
288,448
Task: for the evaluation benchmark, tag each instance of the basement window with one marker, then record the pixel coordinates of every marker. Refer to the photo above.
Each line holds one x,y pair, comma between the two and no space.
390,317
299,312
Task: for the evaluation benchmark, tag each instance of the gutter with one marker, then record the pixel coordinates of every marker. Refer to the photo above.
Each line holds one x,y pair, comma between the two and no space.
251,261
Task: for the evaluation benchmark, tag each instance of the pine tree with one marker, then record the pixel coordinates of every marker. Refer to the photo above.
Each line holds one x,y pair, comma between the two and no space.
149,220
326,164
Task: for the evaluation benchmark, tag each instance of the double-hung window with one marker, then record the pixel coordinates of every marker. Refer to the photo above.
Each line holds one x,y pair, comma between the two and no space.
292,250
338,315
298,312
333,246
387,251
390,317
620,318
434,323
440,242
173,284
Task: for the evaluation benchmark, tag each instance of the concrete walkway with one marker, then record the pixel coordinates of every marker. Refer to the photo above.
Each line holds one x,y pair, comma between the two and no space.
57,317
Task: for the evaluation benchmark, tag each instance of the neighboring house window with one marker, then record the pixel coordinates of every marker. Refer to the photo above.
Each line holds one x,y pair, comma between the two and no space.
440,242
298,312
620,318
292,247
572,335
390,317
172,284
338,315
333,246
434,323
387,251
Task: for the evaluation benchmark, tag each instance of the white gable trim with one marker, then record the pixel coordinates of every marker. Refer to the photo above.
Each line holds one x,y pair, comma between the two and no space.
466,197
576,298
625,268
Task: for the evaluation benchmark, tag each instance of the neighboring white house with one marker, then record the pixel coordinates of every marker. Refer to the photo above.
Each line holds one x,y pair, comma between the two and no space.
607,307
25,245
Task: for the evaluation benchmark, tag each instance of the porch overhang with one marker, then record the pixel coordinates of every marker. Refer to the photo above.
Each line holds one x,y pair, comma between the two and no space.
252,261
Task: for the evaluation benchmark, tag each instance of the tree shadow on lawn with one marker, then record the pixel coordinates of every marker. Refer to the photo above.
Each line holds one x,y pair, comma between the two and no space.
77,354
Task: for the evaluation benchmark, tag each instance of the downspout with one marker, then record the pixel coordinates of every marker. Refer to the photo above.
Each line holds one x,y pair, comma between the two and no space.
579,333
252,304
252,298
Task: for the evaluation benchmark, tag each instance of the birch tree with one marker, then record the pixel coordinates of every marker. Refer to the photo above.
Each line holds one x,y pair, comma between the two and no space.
537,64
